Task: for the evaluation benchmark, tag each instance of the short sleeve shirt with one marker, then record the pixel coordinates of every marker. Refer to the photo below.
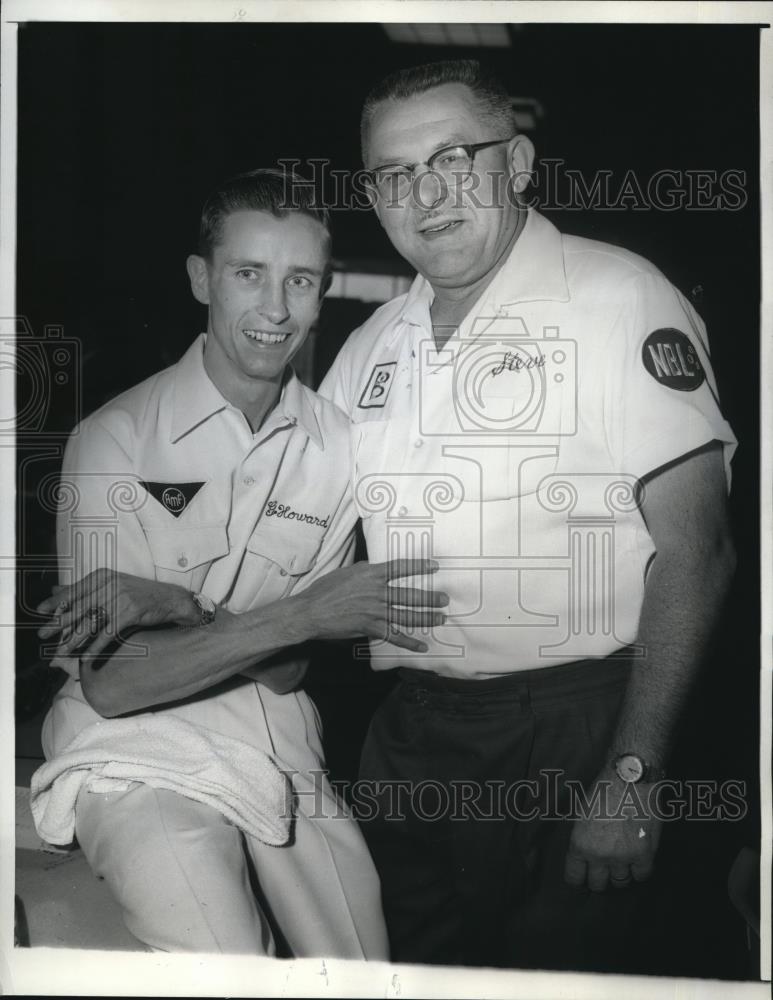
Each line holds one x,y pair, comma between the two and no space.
514,454
168,482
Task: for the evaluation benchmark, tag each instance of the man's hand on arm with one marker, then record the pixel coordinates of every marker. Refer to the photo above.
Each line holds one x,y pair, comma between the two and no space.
125,602
684,507
361,600
107,607
179,663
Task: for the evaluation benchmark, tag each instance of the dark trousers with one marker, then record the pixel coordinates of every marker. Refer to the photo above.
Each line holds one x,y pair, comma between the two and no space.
470,874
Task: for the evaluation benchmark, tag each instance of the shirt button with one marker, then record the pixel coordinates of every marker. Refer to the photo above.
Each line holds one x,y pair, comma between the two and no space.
182,561
402,512
418,443
283,572
248,481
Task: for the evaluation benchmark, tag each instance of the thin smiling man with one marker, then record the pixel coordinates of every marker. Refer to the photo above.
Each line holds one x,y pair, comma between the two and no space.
180,756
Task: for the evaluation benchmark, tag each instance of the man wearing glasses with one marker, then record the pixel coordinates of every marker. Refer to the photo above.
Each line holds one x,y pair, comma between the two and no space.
538,414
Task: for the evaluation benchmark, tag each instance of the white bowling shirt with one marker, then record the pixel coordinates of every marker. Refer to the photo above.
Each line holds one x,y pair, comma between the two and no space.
513,454
168,482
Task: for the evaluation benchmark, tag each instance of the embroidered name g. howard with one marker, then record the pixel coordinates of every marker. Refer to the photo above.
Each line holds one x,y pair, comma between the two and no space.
276,509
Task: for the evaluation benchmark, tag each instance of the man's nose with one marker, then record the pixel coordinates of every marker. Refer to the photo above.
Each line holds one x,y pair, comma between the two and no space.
429,188
272,302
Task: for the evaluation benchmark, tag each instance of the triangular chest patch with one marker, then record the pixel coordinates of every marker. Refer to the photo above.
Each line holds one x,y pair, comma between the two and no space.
174,497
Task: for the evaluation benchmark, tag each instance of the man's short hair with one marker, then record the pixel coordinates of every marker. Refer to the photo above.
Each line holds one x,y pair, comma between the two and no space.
268,189
495,105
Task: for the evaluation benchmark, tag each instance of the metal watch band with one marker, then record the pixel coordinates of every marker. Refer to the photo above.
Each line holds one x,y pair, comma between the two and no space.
207,608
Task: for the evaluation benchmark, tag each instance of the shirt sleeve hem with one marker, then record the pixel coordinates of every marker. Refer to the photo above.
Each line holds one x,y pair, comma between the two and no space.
673,443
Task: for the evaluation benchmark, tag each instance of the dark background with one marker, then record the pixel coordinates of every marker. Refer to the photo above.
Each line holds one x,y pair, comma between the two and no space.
123,130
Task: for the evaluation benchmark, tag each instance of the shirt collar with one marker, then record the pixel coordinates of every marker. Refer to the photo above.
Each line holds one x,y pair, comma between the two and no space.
296,406
196,397
534,271
416,306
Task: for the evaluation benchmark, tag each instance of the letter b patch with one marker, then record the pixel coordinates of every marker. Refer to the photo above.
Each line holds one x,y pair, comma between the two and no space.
376,391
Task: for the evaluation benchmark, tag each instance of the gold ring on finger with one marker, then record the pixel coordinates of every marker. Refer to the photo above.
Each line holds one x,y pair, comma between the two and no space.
97,618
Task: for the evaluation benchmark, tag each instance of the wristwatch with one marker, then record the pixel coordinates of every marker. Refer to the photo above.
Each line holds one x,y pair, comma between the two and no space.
632,768
207,608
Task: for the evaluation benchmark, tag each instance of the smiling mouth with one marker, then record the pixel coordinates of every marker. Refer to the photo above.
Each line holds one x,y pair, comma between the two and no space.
443,227
263,337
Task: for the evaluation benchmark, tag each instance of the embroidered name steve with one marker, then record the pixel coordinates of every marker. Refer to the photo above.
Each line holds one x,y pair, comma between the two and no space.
515,362
276,509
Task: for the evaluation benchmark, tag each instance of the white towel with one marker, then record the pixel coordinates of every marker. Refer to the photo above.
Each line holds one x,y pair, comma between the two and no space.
241,782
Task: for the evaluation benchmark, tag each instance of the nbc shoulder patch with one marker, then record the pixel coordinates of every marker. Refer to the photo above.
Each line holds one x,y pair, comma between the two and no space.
671,359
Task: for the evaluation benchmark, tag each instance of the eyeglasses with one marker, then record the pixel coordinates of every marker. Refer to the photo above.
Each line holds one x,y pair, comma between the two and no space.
452,163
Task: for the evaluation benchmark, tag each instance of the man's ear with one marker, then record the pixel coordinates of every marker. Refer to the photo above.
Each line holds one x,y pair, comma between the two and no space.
197,272
520,160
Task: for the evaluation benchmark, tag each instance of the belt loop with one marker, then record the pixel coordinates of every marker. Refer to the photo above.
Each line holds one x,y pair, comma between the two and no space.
524,696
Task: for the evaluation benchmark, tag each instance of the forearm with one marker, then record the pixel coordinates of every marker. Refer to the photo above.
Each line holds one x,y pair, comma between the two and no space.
179,663
683,598
684,508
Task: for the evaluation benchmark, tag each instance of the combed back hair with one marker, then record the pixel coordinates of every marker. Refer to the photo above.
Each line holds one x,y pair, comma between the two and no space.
268,189
495,106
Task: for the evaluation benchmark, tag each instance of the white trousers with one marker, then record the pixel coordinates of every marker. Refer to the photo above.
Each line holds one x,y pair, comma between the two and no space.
186,879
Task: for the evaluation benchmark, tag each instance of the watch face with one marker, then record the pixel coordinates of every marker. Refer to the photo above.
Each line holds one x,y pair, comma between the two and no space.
629,767
207,607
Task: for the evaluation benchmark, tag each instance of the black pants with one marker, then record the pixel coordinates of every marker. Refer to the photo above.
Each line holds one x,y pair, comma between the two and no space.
470,874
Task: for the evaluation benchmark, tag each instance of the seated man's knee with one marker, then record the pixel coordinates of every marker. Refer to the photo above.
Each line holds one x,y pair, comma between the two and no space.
176,868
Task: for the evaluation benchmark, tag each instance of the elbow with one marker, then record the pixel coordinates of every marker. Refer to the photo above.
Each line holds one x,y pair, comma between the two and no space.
285,677
100,694
725,558
714,568
295,677
708,562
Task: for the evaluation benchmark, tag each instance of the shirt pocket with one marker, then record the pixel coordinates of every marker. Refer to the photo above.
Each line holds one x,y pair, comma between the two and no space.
183,555
371,445
279,560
